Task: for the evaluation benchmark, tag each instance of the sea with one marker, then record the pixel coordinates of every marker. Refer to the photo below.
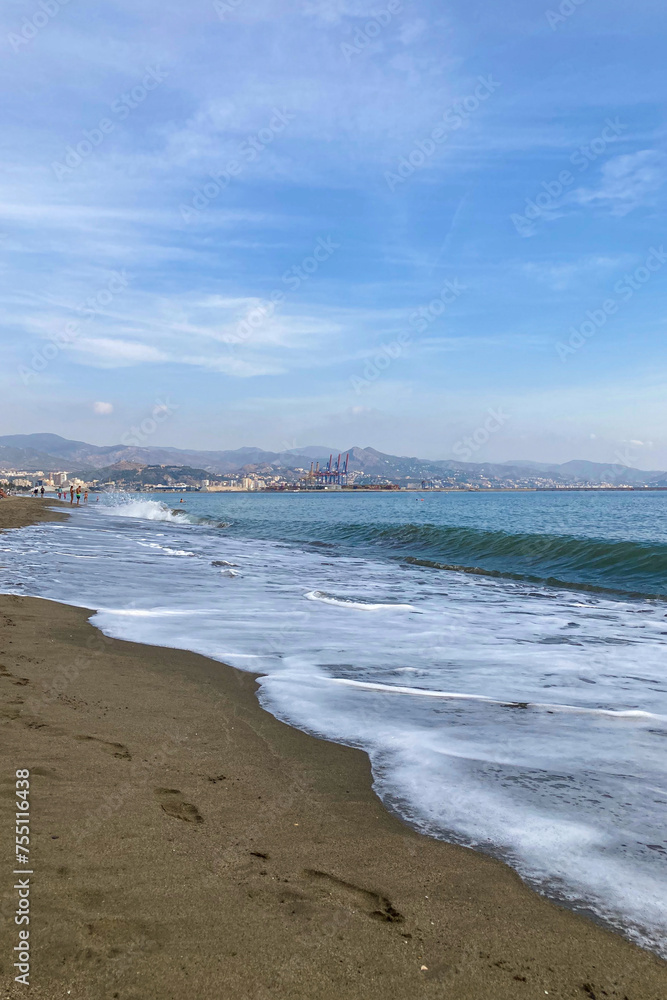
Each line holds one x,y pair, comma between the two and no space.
500,656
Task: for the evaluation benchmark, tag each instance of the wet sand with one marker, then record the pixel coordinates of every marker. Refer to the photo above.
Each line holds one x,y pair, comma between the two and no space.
186,844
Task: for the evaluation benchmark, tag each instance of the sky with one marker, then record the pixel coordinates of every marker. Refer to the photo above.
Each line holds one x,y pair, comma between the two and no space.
337,222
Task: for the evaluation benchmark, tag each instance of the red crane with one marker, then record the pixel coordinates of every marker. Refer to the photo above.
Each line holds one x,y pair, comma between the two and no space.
332,473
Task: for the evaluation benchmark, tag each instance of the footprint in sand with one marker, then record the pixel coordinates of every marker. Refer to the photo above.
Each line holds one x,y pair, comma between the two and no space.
14,679
116,749
375,905
173,803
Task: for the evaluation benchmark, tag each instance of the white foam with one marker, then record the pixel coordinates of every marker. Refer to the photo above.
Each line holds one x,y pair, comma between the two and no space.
146,510
157,612
75,555
631,713
165,548
344,602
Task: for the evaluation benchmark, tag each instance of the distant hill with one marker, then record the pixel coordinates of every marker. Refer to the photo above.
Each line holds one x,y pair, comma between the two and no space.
27,458
594,472
51,452
132,474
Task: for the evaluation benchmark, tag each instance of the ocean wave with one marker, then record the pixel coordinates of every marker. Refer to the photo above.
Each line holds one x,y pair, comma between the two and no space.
347,602
635,568
126,505
147,510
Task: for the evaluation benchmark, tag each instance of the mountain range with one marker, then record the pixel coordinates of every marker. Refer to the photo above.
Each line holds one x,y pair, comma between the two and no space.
50,452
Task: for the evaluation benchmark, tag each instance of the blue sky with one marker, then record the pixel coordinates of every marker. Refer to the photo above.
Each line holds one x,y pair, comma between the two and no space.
337,222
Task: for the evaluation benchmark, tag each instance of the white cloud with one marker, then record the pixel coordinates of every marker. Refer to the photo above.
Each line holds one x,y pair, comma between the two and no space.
333,11
117,353
104,409
626,182
560,276
235,366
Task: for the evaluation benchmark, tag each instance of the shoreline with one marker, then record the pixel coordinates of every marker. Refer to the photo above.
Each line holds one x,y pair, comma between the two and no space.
374,490
188,843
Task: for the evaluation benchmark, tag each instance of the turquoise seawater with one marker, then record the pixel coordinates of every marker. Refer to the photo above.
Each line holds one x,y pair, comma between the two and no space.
610,540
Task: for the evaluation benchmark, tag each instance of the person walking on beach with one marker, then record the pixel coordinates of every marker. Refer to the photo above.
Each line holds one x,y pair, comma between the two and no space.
85,497
71,494
78,495
42,492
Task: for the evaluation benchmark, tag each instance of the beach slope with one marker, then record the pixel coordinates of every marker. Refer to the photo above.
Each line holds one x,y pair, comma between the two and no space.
186,843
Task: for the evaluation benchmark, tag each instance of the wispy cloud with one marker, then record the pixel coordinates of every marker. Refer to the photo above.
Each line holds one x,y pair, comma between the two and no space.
116,353
626,182
560,276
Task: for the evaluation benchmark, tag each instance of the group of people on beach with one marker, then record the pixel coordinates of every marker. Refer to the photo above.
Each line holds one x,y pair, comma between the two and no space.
62,494
73,492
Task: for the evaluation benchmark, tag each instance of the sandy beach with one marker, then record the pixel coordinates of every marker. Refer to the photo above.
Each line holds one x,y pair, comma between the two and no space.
186,843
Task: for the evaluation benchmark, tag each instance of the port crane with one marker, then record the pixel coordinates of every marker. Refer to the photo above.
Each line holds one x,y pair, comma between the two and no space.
331,473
